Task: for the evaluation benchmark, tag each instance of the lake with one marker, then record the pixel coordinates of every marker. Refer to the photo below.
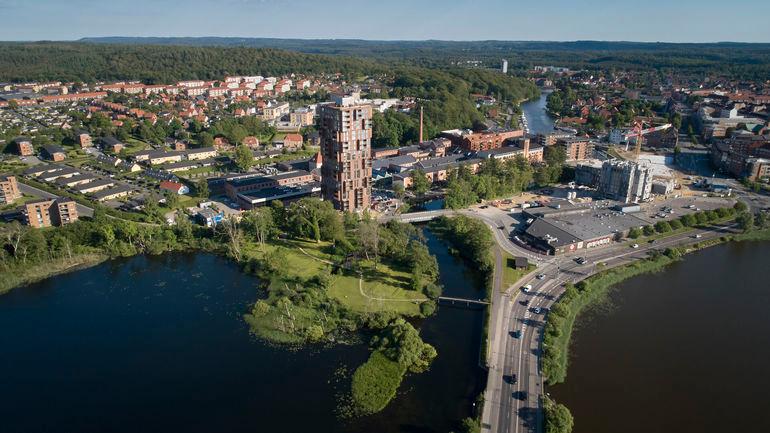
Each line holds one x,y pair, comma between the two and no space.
684,350
157,344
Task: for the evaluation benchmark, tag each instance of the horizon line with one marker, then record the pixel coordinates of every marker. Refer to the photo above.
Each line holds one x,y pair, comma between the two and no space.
86,38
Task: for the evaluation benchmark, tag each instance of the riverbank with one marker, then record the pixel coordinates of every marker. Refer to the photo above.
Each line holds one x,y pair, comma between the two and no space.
40,271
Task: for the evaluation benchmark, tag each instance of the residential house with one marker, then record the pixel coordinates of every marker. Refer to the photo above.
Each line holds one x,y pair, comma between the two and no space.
174,187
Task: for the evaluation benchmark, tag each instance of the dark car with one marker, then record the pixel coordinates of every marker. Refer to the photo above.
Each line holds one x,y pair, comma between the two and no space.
513,377
516,334
520,395
525,302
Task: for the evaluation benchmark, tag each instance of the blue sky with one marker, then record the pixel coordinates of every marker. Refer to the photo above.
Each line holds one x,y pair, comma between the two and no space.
555,20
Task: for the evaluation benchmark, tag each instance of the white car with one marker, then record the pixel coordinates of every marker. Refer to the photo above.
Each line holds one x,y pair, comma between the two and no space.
635,246
526,288
540,276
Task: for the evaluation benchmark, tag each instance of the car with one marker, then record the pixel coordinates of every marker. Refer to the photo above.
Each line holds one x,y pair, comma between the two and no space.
526,288
635,246
513,377
696,236
581,260
501,227
516,334
525,302
540,276
538,310
483,207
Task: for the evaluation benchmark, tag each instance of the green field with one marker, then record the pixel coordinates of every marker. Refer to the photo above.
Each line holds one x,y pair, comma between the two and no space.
384,288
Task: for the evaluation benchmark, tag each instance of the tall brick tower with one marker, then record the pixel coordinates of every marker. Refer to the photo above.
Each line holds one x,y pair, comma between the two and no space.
346,137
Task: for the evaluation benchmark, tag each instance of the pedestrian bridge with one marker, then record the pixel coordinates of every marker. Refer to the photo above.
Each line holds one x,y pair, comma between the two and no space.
462,301
420,217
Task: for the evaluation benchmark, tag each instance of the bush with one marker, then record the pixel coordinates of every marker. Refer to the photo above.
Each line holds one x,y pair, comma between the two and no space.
676,224
740,206
649,230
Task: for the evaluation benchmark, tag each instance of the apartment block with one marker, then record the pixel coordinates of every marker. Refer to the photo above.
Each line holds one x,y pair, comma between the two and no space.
50,212
24,146
577,149
9,189
346,173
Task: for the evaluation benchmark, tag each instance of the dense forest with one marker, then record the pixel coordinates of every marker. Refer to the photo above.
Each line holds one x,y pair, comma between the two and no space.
20,62
739,60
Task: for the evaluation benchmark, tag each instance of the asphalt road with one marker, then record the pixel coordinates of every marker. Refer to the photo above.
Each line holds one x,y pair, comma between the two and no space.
517,406
513,406
31,190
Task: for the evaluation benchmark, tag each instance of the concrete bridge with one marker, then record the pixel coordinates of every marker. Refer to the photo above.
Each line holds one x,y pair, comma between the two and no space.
419,217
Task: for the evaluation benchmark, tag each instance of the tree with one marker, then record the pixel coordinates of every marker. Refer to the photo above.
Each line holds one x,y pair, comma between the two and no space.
233,236
398,191
401,342
420,182
470,425
259,223
648,230
745,221
202,188
244,158
634,233
662,227
558,418
761,220
369,238
740,206
688,220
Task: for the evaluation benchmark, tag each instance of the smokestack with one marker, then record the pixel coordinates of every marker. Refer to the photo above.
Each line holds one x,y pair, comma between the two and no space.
421,140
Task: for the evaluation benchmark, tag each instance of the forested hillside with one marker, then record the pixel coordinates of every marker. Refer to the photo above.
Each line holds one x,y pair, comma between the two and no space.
160,64
444,93
734,59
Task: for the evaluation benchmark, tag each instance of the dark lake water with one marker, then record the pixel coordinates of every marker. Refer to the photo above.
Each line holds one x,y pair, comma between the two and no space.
684,350
538,120
157,344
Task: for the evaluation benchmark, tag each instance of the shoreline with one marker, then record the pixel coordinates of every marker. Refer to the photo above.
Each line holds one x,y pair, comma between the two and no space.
44,271
593,290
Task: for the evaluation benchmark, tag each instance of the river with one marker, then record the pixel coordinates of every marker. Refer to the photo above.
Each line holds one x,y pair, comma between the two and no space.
684,350
157,344
538,120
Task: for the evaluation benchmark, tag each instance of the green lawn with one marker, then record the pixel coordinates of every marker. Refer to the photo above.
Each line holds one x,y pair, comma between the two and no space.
387,283
510,274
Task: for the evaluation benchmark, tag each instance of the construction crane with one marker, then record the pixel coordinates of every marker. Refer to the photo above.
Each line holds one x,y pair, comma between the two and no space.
638,134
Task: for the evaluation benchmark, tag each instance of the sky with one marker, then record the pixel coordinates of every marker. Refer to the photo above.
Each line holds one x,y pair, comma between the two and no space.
551,20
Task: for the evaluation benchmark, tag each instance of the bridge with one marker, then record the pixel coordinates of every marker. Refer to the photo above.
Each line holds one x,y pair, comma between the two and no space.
419,217
463,301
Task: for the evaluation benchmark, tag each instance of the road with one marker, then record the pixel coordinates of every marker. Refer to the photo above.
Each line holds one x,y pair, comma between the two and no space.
37,192
516,406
